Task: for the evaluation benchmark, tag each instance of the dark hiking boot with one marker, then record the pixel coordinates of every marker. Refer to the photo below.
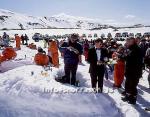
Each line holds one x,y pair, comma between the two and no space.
132,99
125,98
147,109
123,93
100,90
62,80
95,90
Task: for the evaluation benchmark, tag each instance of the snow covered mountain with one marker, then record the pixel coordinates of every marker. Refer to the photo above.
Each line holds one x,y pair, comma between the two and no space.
12,20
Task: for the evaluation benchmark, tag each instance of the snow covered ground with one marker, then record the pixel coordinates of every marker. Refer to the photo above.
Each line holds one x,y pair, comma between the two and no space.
23,94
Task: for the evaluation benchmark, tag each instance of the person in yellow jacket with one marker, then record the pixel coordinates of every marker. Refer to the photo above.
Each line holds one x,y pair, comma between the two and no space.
53,50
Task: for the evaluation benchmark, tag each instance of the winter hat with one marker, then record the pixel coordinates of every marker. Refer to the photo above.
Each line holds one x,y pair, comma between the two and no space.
74,36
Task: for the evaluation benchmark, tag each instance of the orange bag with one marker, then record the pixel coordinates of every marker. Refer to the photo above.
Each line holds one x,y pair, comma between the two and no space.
41,59
2,59
32,46
9,53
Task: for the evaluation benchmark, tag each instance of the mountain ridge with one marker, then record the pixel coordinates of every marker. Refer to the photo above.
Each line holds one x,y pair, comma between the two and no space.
12,20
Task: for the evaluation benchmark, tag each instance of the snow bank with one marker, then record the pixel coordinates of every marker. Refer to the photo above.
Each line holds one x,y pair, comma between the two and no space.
29,95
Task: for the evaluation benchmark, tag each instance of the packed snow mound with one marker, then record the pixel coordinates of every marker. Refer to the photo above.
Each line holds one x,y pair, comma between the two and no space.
30,95
68,105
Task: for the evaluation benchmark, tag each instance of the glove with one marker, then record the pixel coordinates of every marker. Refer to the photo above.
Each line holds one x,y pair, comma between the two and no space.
73,49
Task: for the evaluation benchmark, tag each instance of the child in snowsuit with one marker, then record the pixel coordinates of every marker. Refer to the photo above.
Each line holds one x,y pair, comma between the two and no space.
119,68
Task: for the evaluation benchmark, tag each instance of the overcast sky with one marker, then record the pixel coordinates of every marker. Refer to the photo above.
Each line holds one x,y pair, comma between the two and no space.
111,11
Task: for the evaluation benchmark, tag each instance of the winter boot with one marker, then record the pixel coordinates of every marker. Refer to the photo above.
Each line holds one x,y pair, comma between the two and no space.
147,109
125,98
123,93
132,99
100,90
95,90
62,80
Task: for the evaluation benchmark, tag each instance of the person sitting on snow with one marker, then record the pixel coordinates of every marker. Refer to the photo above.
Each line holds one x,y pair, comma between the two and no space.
40,50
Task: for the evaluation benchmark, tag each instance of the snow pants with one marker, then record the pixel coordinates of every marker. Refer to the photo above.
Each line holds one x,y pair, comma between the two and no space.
70,73
98,77
119,70
131,85
18,43
55,59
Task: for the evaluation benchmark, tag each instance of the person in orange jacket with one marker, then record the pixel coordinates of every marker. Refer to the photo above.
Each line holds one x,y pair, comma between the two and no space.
18,42
119,68
53,50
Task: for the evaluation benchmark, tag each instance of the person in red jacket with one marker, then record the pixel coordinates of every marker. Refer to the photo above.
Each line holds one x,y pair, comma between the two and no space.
86,49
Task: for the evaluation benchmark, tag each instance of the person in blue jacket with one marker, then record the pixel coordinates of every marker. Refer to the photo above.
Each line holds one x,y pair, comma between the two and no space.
72,51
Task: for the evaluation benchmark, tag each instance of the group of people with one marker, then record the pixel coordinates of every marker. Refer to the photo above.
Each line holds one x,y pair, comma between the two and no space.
24,39
5,40
127,61
52,53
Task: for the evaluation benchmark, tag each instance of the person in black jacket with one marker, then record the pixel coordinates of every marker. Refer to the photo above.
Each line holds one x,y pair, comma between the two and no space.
133,71
97,57
147,63
72,51
22,38
26,39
